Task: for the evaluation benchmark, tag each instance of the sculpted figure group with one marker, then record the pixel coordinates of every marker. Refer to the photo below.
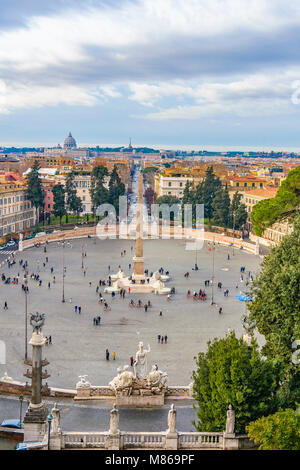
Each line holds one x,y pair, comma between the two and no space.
126,381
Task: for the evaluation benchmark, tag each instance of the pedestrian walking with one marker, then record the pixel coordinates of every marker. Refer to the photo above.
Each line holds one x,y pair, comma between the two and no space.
114,356
75,308
79,310
5,306
107,354
158,338
131,361
166,339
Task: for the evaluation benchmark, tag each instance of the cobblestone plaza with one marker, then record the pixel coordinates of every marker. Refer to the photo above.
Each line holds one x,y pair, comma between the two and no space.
79,346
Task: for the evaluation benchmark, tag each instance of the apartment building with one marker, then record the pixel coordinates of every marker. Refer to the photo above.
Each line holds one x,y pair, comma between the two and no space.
250,198
16,213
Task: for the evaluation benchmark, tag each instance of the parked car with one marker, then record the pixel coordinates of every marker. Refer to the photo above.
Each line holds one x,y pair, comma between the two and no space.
12,423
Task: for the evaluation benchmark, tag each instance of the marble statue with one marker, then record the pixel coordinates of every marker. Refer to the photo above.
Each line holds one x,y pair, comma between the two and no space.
83,383
116,381
157,379
6,378
172,419
55,425
114,421
140,366
230,420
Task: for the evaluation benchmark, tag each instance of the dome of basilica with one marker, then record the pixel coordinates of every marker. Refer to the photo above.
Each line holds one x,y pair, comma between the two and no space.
70,142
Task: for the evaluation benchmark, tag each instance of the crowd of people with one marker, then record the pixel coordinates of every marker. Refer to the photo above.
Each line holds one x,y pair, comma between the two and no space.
35,276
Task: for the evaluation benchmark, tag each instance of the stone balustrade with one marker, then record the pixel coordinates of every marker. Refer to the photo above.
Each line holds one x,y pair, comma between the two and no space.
155,440
194,440
175,232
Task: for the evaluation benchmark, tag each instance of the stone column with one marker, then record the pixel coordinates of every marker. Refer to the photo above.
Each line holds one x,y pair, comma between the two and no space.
35,420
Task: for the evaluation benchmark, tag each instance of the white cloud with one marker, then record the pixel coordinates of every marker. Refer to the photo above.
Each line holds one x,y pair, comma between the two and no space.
77,46
255,95
16,96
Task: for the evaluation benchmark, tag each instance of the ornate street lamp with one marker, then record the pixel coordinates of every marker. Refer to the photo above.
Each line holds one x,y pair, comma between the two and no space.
49,418
21,398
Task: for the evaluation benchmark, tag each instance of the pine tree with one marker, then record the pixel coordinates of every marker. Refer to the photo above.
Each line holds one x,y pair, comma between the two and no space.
238,212
35,192
98,192
115,189
221,207
59,208
207,191
73,202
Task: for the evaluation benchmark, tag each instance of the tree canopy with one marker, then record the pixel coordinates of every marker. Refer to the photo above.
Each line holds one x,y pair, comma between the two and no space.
73,202
230,372
285,204
276,298
280,431
35,192
115,189
59,207
98,192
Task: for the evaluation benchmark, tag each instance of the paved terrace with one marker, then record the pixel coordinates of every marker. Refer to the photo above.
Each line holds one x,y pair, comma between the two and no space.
79,347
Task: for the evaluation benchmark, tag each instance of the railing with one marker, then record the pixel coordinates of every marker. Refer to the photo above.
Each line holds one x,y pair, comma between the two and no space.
150,440
200,440
86,439
143,440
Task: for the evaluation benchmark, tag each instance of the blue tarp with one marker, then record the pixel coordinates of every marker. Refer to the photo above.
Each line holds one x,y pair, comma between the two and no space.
244,298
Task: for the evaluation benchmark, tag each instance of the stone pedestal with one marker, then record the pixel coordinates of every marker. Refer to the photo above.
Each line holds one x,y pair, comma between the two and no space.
83,392
172,441
35,422
230,441
113,442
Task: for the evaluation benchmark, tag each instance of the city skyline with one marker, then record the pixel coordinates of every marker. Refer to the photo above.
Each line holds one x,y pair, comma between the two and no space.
176,74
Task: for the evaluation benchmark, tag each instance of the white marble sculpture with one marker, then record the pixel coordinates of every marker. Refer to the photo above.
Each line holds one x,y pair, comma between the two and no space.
157,378
83,383
140,365
172,420
114,421
230,420
55,425
116,381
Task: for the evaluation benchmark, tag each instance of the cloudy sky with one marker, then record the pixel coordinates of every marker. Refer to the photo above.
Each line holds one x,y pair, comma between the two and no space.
199,73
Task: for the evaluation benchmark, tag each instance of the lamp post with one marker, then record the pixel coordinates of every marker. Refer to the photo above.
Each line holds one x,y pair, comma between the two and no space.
63,270
82,254
26,315
50,418
213,273
233,228
21,398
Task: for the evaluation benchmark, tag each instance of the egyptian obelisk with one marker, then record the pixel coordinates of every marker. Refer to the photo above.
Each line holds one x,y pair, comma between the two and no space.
138,260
